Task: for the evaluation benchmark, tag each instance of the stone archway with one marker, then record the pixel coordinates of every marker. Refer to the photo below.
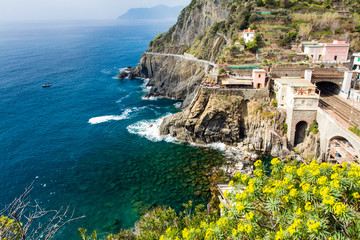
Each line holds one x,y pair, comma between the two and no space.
300,132
340,150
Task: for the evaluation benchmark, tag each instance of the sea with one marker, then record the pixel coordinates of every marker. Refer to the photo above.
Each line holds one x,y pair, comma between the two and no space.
90,141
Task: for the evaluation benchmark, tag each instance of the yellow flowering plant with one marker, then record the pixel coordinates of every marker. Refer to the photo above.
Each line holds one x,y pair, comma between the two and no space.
295,201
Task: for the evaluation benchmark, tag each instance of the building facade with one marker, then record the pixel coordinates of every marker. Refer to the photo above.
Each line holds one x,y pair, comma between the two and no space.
249,35
300,99
259,78
335,52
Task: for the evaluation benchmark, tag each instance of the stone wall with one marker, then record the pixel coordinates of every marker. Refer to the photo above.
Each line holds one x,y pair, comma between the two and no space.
246,93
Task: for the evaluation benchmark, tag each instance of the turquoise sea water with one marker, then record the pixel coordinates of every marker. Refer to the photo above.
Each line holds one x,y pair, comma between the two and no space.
89,141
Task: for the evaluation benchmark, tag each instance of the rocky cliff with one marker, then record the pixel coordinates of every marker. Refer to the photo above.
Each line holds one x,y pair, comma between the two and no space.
180,78
230,117
171,77
192,24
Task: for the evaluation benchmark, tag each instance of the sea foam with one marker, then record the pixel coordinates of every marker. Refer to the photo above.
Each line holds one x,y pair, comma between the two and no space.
101,119
150,130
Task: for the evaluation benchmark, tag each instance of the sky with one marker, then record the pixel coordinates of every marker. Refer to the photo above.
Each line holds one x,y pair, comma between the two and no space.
74,9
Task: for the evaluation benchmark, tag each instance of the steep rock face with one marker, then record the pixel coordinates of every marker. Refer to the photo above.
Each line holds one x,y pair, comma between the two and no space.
213,117
171,77
310,147
192,24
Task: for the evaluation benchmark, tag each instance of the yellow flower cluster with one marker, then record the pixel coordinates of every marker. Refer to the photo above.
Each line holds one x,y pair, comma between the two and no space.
299,212
185,233
231,183
308,206
275,161
285,199
293,227
258,172
258,163
293,192
221,222
279,234
249,215
339,208
244,177
328,200
322,180
240,207
356,195
313,226
305,186
335,184
209,233
247,228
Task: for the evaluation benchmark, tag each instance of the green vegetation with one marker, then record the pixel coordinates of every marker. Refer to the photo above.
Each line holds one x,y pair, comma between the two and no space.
222,71
274,103
10,229
314,128
295,201
290,36
285,127
355,130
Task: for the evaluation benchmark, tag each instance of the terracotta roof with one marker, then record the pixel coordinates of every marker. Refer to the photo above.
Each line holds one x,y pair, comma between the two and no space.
250,31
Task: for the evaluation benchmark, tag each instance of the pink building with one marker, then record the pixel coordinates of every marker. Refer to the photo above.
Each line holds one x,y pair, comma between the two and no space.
335,52
259,76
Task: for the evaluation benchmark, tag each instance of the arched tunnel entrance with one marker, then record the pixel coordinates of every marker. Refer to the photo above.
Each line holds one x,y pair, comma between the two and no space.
340,150
328,88
300,132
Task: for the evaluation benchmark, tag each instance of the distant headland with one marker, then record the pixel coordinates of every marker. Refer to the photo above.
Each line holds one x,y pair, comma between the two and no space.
157,12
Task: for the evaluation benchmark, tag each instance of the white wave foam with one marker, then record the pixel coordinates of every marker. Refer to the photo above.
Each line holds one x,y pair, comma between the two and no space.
120,100
145,83
177,105
97,120
150,130
150,98
106,71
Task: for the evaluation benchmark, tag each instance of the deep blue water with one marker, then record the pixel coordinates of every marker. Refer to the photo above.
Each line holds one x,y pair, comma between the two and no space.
59,138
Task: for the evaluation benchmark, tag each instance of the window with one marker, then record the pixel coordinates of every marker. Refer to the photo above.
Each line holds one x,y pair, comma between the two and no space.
335,58
259,75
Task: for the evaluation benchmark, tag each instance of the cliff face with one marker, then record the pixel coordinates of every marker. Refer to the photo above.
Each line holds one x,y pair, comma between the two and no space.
175,77
171,77
229,118
192,24
310,147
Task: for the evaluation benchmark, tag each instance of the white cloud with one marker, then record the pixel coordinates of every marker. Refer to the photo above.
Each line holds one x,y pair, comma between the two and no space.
73,9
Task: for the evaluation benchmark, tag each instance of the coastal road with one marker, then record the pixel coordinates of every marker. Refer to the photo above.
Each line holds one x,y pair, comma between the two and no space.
183,57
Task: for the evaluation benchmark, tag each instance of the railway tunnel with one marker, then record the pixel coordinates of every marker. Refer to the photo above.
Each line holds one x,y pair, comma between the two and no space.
328,88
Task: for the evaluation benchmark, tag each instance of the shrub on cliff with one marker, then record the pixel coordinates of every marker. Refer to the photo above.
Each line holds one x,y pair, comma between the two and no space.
315,201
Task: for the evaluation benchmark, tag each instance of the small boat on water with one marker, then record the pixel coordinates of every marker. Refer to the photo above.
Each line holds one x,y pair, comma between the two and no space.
46,85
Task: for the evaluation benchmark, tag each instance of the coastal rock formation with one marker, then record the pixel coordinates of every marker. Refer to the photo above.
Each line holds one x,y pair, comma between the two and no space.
179,78
170,77
310,147
193,22
230,117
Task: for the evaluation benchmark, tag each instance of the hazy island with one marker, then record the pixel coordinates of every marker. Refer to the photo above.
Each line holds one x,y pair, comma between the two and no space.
153,13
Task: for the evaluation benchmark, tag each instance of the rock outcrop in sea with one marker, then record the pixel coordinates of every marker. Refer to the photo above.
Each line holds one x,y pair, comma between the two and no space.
230,117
